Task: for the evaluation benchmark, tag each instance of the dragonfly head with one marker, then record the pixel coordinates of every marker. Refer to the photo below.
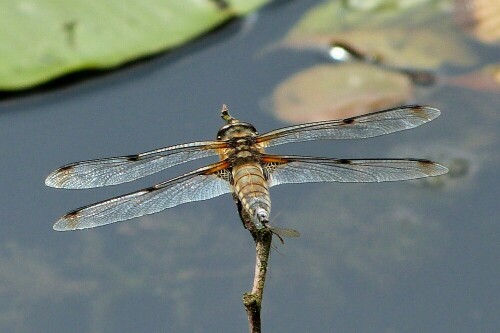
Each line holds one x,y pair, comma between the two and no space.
224,113
234,128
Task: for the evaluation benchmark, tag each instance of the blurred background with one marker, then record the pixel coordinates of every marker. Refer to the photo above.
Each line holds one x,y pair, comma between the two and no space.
416,256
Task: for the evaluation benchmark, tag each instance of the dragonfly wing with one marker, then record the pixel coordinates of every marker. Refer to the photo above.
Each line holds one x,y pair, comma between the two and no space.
299,169
117,170
285,232
364,126
201,184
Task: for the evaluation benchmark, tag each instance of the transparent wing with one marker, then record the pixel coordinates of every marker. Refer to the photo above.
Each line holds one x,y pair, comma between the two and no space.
117,170
364,126
299,169
201,184
285,232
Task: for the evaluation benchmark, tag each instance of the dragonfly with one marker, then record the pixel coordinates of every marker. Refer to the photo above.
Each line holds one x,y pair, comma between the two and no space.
244,168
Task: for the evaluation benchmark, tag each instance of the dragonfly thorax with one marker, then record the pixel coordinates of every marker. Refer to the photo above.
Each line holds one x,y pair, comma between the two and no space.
236,130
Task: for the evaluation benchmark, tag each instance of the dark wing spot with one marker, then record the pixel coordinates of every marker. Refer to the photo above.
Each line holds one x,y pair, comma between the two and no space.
72,219
150,189
60,177
425,162
344,161
423,112
132,158
431,168
66,168
71,215
348,121
419,108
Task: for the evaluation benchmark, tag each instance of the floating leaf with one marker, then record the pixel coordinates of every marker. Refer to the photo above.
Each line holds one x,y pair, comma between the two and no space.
339,91
45,39
480,17
486,79
410,34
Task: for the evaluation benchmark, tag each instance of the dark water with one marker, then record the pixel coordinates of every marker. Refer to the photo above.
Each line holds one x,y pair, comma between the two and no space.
399,257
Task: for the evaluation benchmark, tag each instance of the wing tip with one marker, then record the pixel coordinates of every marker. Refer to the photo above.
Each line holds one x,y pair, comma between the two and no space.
440,170
427,112
50,181
433,169
55,184
68,222
58,226
60,178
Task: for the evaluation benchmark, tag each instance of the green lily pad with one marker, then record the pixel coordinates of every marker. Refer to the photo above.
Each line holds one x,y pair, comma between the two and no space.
44,39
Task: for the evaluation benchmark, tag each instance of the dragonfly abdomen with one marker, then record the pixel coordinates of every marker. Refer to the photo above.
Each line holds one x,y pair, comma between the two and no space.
252,190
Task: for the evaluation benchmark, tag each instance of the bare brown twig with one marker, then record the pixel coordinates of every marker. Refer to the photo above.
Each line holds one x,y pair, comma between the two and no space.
253,300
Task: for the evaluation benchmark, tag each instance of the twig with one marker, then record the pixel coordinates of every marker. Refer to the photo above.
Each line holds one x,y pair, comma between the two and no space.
253,300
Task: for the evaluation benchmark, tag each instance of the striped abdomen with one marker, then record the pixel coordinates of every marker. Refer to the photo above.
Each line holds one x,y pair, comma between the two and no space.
251,188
